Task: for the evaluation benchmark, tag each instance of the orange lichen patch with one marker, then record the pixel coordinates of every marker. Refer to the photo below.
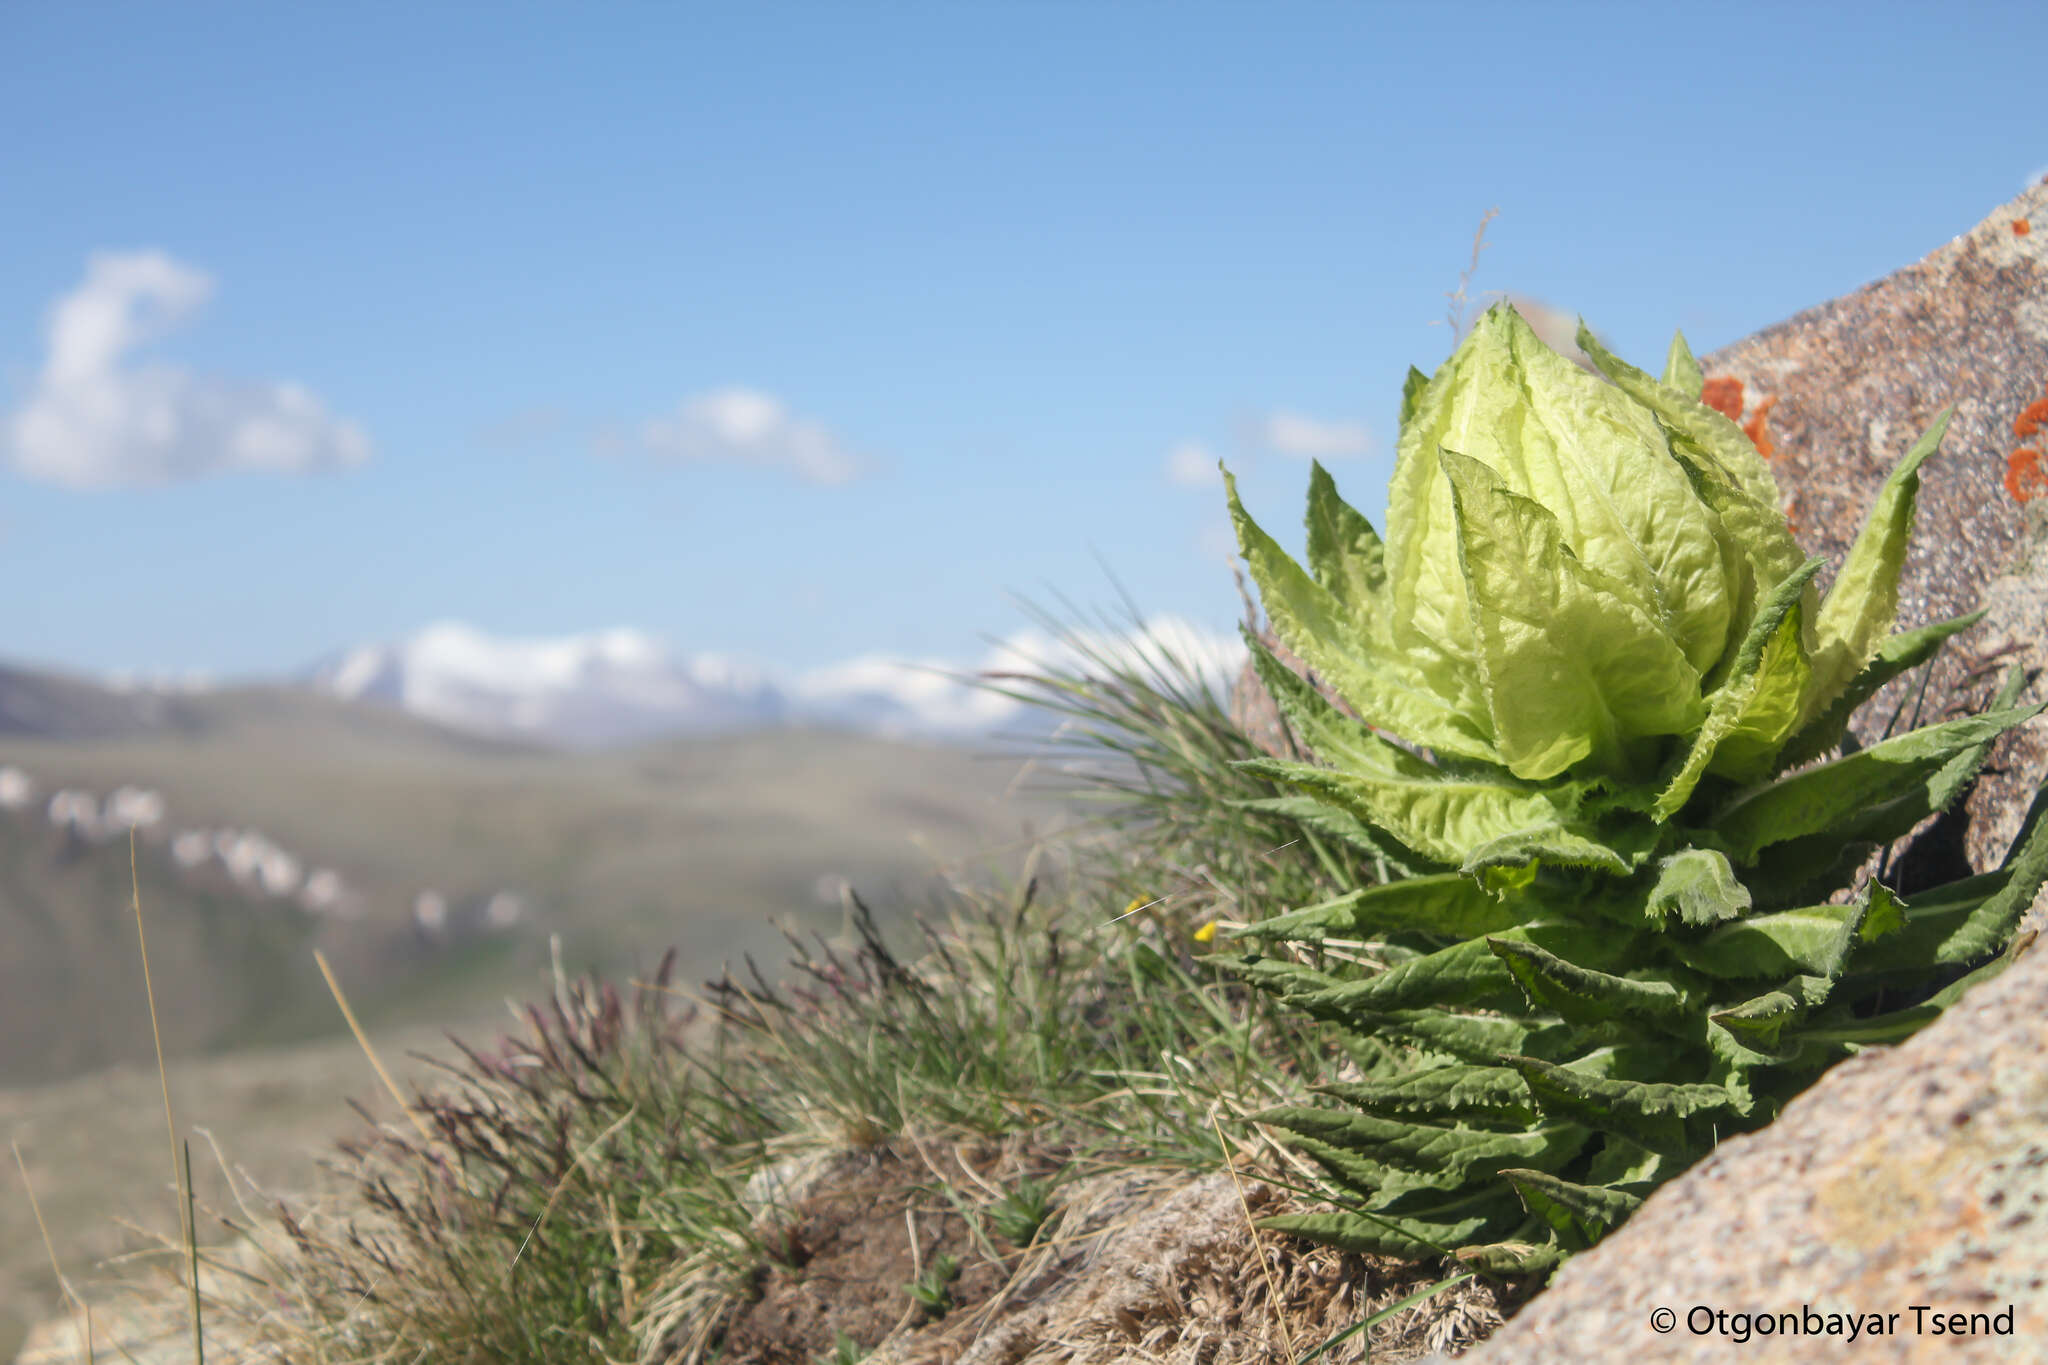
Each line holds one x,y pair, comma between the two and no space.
1791,511
2024,477
2031,417
1757,428
2021,227
1723,393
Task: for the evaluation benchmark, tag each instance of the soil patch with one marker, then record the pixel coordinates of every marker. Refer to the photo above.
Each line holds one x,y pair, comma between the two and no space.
841,1259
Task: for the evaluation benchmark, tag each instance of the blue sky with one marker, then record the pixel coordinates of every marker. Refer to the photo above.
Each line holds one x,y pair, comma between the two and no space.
802,332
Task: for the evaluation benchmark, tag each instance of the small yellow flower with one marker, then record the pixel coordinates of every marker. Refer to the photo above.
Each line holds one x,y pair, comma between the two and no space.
1207,933
1137,903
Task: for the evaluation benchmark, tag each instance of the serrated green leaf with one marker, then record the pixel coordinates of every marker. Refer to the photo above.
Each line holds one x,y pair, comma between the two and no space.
1682,372
1621,1164
1815,940
1276,974
1759,1021
1928,927
1491,1094
1480,1039
1344,552
1462,974
1990,926
1885,915
1899,1025
1337,823
1581,1214
1351,654
1773,945
1450,905
1465,973
1552,846
1801,870
1411,393
1404,1238
1584,997
1898,654
1433,1156
1575,667
1699,886
1875,794
1439,817
1758,702
1652,1114
1864,599
1512,1258
1349,1169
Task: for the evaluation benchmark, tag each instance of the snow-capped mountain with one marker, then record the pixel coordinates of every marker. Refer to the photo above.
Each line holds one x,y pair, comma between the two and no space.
618,686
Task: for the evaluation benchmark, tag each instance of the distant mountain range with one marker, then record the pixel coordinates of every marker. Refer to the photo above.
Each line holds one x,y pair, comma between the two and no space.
621,686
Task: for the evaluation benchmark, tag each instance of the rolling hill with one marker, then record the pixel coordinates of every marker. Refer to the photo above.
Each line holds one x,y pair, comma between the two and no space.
695,843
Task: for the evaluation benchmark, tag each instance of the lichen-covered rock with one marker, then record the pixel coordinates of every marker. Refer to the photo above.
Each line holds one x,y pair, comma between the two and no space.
1836,392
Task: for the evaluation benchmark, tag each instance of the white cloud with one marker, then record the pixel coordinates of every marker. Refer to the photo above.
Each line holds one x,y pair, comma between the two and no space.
1290,433
908,697
751,427
1166,642
1192,465
94,420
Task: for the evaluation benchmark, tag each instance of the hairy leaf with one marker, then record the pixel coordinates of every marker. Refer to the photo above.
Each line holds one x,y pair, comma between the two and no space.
1328,635
1554,846
1406,1239
1451,905
1757,704
1652,1114
1581,996
1581,1214
1463,974
1466,1093
1681,372
1699,886
1759,1021
1434,1156
1337,823
1991,925
1480,1039
1344,552
1864,795
1898,654
1594,459
1864,599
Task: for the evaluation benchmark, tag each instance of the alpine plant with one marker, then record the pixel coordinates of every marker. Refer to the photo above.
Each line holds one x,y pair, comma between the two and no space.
1587,674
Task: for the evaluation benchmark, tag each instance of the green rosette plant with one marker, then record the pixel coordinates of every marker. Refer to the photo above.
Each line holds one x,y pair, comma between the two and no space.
1588,674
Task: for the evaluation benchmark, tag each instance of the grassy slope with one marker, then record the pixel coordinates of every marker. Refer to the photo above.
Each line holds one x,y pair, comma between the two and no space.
694,842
